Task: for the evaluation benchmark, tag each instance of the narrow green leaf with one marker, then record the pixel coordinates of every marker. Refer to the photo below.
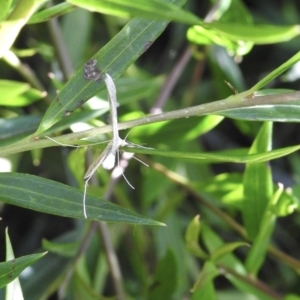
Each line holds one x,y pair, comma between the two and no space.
51,197
239,37
114,58
258,184
275,73
52,12
225,249
13,289
275,106
80,116
46,275
257,253
143,8
176,131
11,269
17,126
63,249
258,34
289,112
212,241
234,156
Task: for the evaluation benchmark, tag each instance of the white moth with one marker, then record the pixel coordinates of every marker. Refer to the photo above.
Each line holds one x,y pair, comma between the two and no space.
107,158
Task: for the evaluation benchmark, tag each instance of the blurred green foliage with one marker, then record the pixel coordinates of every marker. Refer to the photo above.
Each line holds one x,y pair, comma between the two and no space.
222,174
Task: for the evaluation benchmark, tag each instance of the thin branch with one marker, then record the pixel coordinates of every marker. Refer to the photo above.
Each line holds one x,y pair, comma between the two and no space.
171,81
235,101
60,48
258,284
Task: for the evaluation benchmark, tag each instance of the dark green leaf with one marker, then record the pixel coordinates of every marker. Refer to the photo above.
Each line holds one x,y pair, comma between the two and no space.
11,269
289,112
21,125
258,186
51,197
257,253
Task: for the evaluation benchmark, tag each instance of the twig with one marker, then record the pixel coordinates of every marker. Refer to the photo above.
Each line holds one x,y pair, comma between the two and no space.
60,48
171,81
258,284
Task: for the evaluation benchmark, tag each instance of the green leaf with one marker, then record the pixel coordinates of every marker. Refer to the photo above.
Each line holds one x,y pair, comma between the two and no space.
114,58
256,255
225,249
258,34
234,156
13,289
239,37
46,275
80,116
287,204
11,269
176,131
213,242
18,126
207,292
165,278
63,249
5,7
258,184
52,12
192,236
275,73
206,276
286,112
15,93
51,197
143,8
269,104
291,297
9,29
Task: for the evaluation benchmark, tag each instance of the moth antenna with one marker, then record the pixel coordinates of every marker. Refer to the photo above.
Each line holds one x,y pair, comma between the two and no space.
119,170
142,162
73,146
128,181
61,144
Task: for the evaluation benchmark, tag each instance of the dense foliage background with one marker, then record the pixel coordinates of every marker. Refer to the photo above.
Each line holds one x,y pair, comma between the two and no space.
223,176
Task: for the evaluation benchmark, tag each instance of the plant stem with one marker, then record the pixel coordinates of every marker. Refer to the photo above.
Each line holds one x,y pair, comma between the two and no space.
235,101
